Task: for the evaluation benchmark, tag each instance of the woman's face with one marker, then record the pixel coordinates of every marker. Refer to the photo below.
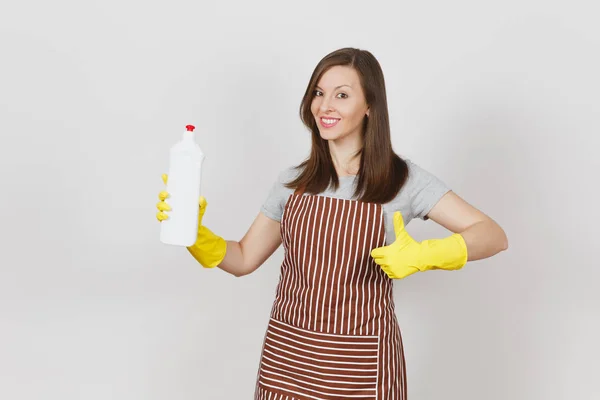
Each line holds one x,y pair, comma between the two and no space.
339,104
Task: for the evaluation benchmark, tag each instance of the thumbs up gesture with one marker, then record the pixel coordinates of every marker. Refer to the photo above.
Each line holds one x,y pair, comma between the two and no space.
405,256
401,258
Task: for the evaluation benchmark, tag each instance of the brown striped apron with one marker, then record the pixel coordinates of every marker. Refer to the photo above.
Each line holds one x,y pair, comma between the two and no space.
333,332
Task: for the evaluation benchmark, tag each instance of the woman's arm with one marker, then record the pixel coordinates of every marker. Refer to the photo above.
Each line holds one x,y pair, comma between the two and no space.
257,245
483,236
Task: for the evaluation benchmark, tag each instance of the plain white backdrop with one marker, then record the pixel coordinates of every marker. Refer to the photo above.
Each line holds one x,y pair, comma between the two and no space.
497,98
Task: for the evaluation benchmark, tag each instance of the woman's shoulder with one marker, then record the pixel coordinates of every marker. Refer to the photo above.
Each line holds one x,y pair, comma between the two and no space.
418,175
418,179
288,174
279,193
411,171
410,164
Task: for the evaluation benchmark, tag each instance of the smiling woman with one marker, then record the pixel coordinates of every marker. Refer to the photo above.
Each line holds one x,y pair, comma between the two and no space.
341,217
345,109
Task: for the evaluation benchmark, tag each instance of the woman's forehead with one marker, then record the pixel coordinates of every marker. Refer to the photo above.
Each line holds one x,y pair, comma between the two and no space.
339,76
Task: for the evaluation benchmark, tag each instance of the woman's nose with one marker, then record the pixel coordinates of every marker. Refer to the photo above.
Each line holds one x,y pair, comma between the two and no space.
325,105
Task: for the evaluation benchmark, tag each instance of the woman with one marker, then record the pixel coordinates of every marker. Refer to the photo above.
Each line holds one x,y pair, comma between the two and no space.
340,215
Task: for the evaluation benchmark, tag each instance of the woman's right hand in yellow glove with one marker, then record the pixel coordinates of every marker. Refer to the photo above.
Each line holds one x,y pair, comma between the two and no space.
209,249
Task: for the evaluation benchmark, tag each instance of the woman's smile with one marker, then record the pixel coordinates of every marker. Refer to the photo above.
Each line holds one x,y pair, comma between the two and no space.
329,122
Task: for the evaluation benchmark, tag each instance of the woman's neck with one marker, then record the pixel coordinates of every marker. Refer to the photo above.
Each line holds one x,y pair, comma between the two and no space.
343,153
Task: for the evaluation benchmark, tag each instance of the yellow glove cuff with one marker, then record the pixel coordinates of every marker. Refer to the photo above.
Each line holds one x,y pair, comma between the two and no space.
449,253
209,249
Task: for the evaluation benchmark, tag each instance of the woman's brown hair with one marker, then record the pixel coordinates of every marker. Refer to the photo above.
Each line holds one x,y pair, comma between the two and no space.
382,173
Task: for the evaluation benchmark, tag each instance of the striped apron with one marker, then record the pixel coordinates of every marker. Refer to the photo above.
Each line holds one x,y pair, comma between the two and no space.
333,332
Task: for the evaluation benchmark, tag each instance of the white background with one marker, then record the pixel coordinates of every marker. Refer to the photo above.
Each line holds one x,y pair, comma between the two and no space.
497,98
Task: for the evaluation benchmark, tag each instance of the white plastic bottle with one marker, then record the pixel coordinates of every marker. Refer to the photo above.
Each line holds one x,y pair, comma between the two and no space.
183,186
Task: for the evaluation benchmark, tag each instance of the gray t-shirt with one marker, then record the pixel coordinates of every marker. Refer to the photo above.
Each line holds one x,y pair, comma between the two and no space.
417,197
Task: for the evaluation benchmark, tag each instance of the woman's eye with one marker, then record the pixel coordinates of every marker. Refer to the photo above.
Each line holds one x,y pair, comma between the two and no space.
339,96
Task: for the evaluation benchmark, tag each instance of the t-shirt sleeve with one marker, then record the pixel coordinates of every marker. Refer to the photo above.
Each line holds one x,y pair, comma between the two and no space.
424,190
277,197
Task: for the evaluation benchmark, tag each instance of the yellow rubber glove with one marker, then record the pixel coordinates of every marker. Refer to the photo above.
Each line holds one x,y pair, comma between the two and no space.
405,256
209,249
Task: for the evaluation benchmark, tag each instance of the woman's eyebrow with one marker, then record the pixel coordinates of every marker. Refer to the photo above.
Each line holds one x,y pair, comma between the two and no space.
336,87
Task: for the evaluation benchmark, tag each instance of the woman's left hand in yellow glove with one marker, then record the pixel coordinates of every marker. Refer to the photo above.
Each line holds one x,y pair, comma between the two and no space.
405,256
209,249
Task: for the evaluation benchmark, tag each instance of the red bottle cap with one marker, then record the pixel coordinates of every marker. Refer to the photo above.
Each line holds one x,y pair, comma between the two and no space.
190,128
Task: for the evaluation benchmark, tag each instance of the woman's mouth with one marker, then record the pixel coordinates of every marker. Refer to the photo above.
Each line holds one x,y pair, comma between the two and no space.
329,122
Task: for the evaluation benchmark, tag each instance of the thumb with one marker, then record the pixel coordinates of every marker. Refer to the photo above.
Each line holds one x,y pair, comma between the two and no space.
398,223
202,204
402,236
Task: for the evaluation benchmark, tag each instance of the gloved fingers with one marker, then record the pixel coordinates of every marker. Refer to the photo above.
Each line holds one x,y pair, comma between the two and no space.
379,252
398,273
163,195
161,216
162,206
381,261
386,268
408,271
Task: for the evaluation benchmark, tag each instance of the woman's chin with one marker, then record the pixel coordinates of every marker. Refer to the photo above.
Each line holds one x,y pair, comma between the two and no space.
328,135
